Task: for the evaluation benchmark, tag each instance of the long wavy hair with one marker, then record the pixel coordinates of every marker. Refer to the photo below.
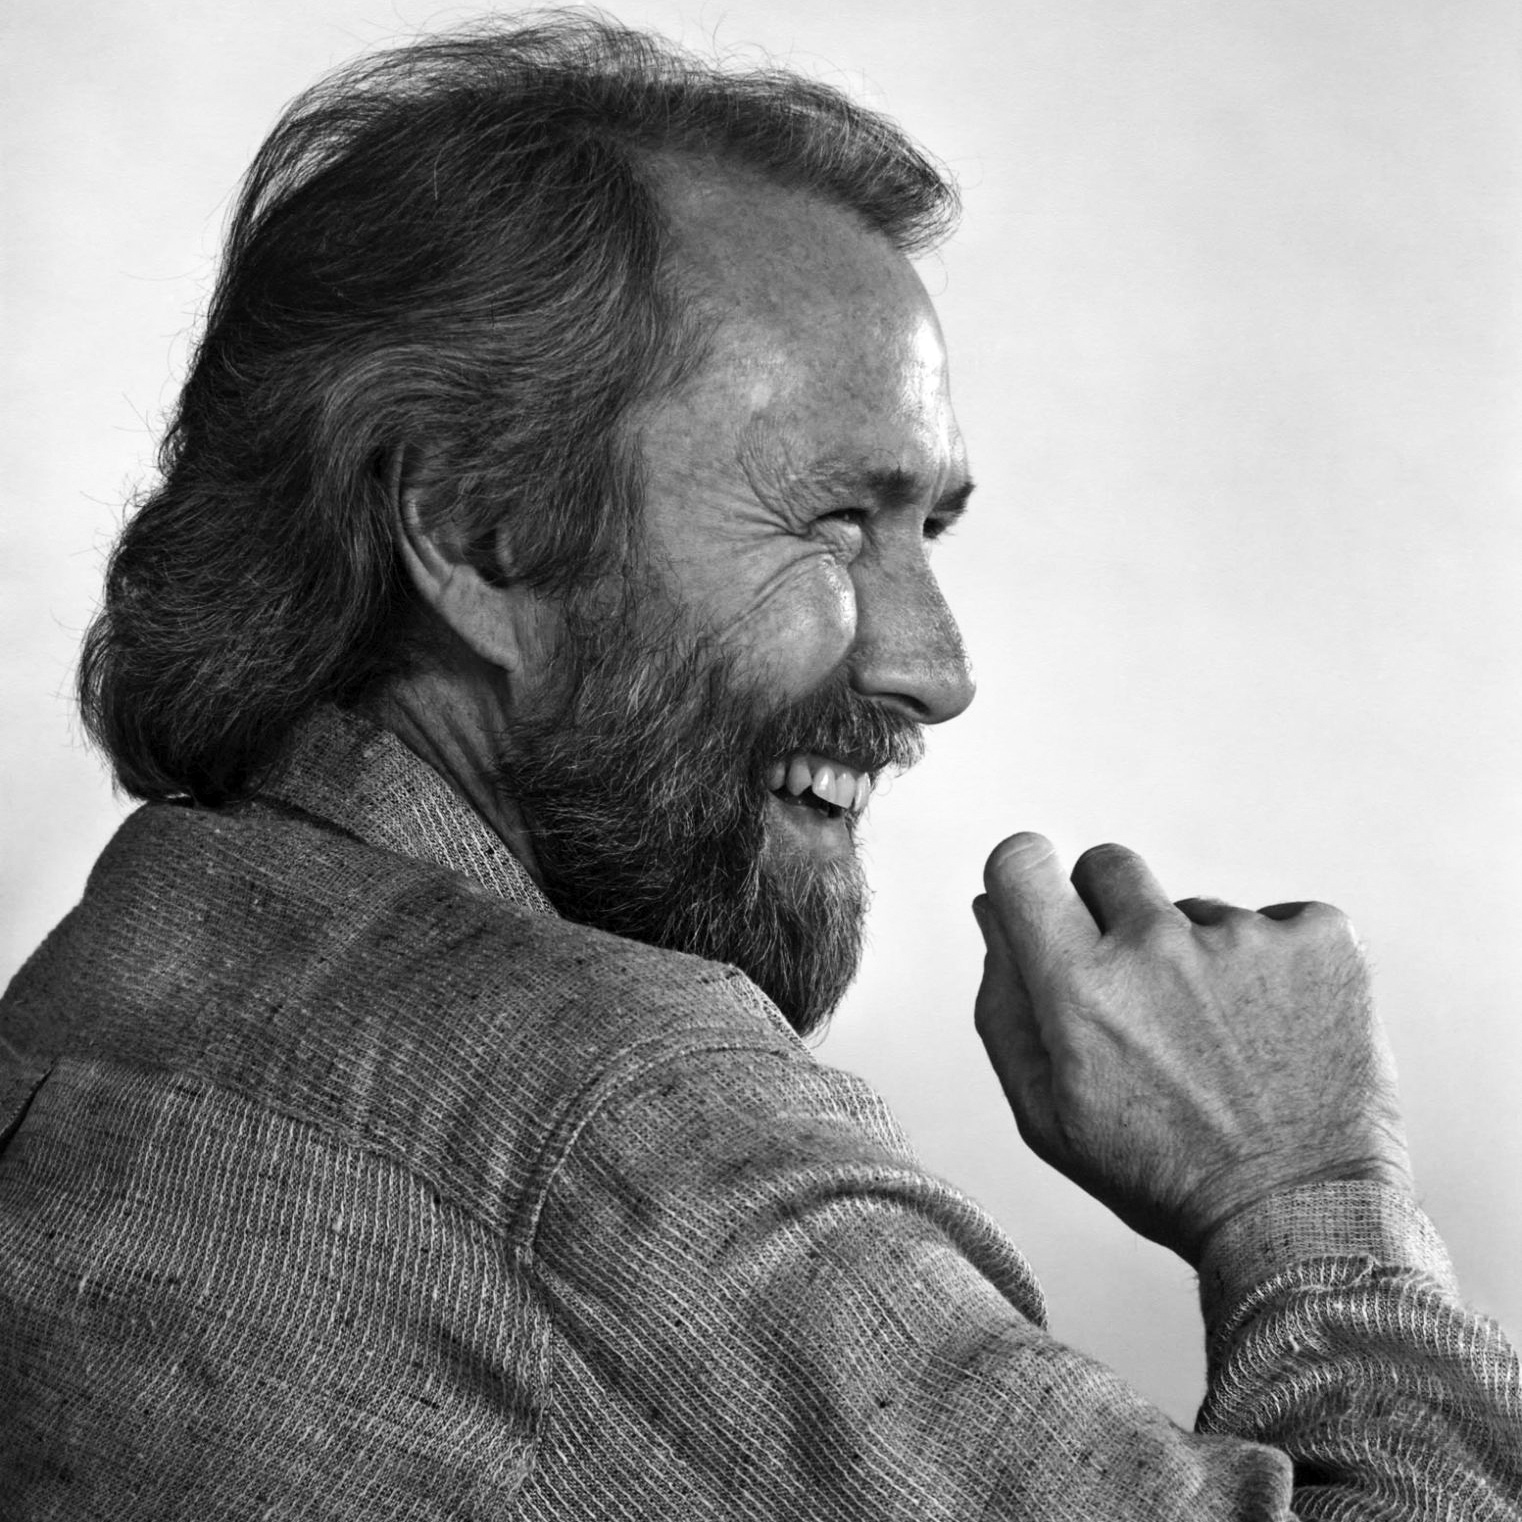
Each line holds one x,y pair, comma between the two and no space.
459,242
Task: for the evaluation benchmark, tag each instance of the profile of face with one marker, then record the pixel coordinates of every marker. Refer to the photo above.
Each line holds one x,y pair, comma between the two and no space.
695,771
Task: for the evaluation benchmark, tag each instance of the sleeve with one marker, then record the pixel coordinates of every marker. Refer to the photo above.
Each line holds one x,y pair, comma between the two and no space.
766,1309
1336,1334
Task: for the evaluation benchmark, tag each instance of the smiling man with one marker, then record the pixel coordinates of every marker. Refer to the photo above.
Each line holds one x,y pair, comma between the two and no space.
412,1120
691,771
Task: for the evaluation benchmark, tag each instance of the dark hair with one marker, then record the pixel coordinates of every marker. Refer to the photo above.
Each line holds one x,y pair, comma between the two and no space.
460,242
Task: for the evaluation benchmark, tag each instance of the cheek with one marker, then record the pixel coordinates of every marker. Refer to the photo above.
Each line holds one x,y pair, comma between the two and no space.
798,626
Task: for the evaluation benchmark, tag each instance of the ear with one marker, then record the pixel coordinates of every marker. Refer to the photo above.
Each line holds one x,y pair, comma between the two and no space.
499,618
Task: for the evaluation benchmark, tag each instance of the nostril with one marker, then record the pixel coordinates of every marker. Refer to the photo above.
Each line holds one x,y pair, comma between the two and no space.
910,657
924,701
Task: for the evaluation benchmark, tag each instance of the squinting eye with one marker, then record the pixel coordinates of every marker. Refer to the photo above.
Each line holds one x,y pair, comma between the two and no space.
936,528
843,525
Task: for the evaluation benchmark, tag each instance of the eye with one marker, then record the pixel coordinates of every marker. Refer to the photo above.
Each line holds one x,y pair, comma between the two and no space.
844,526
938,528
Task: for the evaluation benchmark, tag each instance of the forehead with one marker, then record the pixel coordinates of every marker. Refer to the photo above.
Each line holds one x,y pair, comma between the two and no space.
743,240
816,330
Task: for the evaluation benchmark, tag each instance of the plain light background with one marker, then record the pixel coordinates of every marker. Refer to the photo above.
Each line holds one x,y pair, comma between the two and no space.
1234,323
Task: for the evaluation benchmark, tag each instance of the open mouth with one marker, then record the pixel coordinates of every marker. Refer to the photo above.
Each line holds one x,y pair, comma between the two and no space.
827,786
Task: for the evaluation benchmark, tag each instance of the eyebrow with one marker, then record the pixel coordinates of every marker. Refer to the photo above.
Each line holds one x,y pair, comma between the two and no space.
888,487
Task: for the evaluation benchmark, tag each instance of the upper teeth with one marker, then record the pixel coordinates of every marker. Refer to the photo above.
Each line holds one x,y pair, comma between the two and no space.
833,781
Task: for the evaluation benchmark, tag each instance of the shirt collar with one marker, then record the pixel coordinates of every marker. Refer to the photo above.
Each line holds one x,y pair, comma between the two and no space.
353,773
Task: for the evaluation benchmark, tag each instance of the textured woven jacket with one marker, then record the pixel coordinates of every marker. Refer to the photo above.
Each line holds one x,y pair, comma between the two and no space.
340,1178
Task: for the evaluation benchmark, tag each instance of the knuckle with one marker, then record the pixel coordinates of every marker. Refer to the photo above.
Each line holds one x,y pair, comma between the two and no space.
1236,930
1209,913
1329,923
1156,922
1322,919
1320,913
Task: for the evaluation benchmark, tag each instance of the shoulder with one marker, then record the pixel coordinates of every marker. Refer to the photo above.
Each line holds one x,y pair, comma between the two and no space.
380,999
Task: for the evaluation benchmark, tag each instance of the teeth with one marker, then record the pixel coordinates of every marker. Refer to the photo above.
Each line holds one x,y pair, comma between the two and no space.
824,783
830,780
844,790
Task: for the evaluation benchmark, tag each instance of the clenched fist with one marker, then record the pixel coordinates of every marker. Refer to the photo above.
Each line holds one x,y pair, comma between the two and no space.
1180,1061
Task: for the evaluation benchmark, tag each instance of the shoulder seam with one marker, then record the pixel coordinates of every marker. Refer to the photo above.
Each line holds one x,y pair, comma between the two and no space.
607,1086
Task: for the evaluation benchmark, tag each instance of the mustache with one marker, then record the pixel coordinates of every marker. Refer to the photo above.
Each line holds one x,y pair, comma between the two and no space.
836,720
637,681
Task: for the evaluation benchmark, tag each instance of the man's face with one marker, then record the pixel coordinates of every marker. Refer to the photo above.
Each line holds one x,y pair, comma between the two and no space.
698,778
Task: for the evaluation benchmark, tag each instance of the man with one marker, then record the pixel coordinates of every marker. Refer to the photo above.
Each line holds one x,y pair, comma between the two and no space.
412,1120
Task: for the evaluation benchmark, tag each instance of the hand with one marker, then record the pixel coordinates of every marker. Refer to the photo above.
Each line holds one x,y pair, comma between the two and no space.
1180,1061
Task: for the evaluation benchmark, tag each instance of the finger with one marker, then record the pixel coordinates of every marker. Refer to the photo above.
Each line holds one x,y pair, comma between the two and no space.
1284,911
1312,917
1205,911
1032,900
1118,888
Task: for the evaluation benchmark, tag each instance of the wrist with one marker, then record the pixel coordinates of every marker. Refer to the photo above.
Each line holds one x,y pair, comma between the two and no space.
1250,1186
1354,1222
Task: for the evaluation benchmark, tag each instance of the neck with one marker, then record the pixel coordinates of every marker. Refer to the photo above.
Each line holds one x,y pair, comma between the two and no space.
450,723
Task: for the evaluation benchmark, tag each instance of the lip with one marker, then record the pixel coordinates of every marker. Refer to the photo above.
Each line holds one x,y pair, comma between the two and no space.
856,763
807,831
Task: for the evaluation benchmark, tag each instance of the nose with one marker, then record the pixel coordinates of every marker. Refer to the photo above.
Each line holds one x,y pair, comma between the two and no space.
909,653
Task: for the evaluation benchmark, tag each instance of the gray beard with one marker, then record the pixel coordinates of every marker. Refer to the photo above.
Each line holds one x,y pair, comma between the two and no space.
643,787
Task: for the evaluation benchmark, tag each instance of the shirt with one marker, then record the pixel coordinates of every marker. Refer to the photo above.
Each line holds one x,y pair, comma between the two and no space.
342,1179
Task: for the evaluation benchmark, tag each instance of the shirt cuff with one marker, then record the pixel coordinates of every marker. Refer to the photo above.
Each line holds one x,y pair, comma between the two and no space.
1357,1219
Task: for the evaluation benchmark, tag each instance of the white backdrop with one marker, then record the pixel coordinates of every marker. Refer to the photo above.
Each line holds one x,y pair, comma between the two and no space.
1234,321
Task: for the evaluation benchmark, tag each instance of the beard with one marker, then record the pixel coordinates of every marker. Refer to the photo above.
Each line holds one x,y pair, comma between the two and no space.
643,783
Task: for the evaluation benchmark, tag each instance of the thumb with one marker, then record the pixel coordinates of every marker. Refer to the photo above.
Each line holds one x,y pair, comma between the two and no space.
1006,1020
